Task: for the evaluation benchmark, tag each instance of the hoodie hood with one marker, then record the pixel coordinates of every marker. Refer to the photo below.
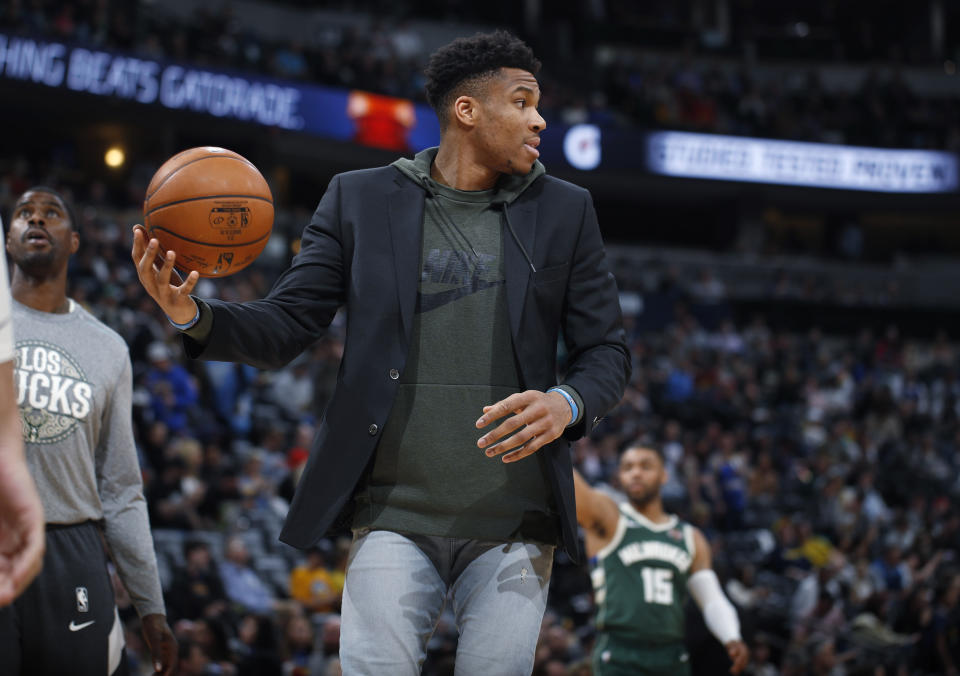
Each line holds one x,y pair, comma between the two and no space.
507,189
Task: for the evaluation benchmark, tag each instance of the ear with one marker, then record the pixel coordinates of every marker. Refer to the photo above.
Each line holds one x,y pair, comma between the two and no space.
466,111
74,242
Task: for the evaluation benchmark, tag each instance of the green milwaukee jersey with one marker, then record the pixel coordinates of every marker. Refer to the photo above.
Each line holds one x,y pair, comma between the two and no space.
640,578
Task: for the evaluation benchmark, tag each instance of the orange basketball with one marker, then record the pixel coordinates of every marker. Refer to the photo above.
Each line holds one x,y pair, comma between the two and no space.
212,207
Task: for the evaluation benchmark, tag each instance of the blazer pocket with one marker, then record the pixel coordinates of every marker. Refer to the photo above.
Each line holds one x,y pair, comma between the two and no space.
552,274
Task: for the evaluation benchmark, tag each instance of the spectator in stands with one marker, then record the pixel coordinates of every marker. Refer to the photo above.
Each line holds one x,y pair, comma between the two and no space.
296,460
326,650
173,393
257,492
743,589
219,473
873,505
169,506
230,393
763,482
293,388
211,634
890,571
877,643
730,479
258,647
196,590
707,288
859,581
825,619
314,584
241,583
297,645
272,450
154,439
946,618
193,660
563,644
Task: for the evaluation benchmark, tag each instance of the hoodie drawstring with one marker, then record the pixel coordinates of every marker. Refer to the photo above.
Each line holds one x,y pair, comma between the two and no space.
506,217
503,210
443,212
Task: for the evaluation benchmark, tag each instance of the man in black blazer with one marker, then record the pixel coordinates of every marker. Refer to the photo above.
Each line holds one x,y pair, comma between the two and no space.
459,270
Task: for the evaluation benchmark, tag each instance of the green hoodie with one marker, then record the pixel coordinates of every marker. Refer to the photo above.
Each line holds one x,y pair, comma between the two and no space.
428,476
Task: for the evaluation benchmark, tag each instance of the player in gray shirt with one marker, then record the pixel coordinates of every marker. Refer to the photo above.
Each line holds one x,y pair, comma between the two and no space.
73,382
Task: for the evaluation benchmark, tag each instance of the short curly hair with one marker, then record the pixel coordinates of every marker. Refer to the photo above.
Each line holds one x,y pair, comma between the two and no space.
643,446
463,66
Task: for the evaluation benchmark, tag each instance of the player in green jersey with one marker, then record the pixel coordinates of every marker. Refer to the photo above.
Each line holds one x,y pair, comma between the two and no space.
644,561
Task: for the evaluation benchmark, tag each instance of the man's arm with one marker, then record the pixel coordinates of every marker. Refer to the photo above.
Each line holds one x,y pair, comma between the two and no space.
599,361
718,613
21,514
597,514
126,525
265,333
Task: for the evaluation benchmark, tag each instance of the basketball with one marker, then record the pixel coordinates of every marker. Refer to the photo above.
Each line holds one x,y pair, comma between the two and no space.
212,207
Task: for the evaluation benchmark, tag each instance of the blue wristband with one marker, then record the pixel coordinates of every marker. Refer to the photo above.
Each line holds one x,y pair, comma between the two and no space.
190,324
574,411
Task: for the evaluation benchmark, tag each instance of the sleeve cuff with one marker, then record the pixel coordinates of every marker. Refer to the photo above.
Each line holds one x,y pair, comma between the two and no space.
201,329
577,405
150,607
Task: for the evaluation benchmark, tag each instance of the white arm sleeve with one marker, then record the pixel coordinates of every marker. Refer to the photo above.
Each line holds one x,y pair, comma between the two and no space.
718,613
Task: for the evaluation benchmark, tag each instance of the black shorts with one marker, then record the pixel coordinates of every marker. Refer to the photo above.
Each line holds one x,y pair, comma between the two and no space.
66,622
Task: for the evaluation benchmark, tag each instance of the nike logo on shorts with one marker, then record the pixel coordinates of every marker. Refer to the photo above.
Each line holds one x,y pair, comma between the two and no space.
77,627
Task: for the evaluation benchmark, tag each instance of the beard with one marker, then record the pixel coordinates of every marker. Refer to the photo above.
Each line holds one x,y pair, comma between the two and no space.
644,498
504,155
36,263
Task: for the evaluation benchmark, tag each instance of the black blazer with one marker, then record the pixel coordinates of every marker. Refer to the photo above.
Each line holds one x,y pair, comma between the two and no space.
362,250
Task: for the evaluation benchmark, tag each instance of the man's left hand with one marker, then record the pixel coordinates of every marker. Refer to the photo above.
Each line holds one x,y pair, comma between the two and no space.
541,415
739,655
163,645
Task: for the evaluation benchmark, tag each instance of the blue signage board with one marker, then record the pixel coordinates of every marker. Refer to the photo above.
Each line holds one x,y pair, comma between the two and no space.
402,125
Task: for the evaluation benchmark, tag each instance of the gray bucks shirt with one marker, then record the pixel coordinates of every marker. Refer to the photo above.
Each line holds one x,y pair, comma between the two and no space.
74,387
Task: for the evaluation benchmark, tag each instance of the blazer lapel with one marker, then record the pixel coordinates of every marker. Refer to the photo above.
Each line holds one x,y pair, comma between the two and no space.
524,220
405,215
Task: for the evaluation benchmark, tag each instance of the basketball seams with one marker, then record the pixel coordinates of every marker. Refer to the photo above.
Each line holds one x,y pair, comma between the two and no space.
198,159
215,245
205,197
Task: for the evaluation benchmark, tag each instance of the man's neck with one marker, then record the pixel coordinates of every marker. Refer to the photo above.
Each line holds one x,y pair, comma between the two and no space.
43,295
456,166
652,510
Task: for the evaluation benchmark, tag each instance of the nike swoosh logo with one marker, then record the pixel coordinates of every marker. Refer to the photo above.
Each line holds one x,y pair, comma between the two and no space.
431,301
77,627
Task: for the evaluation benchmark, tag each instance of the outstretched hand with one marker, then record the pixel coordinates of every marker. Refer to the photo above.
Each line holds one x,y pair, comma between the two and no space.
162,644
160,280
21,529
540,418
739,654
